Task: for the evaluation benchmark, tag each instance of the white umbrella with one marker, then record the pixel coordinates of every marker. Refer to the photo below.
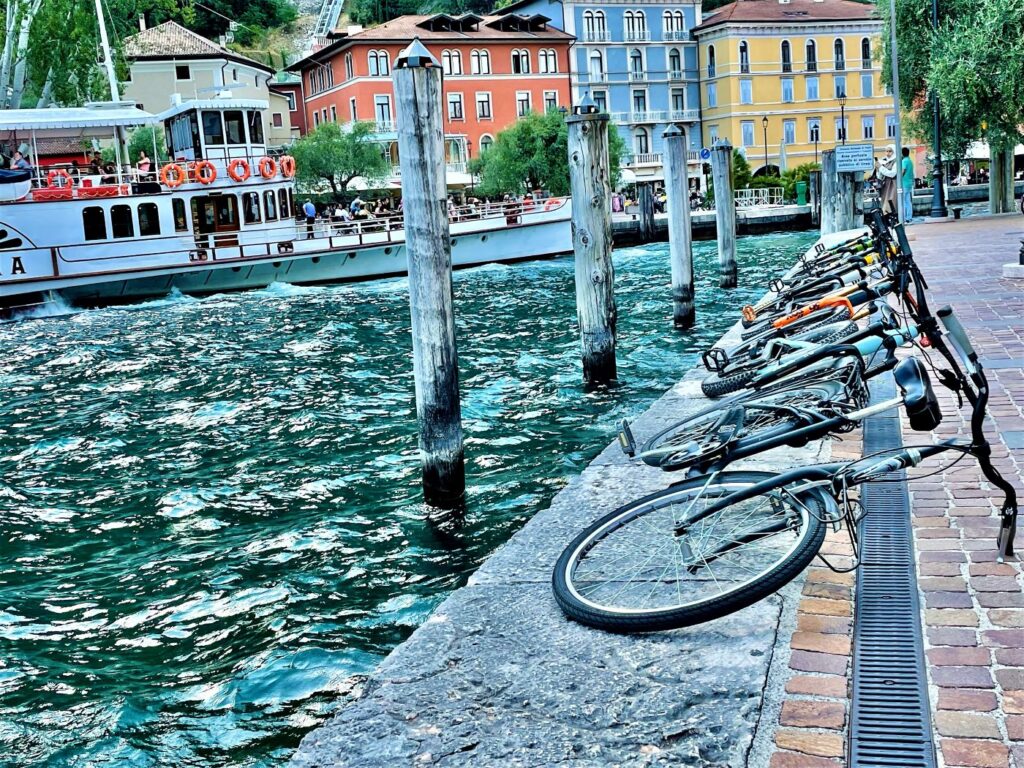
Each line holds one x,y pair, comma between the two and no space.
782,157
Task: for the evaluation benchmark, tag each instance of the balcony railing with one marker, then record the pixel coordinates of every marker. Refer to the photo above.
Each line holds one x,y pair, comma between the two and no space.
636,76
597,36
679,35
812,66
787,66
596,77
637,36
754,198
655,158
675,74
840,64
396,170
657,116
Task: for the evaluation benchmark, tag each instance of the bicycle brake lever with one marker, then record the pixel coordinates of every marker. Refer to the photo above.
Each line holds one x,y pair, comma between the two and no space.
952,382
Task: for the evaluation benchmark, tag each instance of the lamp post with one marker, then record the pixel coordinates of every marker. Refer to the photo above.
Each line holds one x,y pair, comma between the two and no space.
764,126
938,196
815,132
842,114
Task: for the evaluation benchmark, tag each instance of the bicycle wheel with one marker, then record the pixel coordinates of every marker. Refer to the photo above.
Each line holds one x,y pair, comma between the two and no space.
704,437
630,571
831,317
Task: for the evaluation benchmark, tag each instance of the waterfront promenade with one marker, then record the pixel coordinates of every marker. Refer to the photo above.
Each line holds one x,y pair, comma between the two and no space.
498,677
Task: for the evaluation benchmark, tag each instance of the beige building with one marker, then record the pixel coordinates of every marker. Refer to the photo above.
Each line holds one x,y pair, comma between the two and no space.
168,59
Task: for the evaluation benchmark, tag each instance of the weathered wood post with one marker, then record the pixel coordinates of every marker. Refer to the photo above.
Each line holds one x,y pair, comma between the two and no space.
829,192
842,197
680,240
814,182
646,204
420,113
725,212
592,240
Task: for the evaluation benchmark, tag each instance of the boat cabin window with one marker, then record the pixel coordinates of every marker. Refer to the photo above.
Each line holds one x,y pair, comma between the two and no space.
227,212
213,128
270,205
121,224
255,126
178,209
94,223
149,219
282,197
251,207
291,202
234,127
183,135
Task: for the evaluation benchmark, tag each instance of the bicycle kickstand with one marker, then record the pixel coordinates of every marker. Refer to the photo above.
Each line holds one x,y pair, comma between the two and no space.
1007,530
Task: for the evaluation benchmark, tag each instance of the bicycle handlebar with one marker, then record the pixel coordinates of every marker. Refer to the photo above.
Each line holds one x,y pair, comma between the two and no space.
958,337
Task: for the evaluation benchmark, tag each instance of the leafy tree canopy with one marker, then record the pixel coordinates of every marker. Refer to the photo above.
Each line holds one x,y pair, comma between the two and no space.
369,12
532,154
334,156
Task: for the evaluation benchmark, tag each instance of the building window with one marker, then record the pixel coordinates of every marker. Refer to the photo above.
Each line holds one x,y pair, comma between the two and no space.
121,224
890,126
711,61
323,116
349,67
594,28
636,25
840,86
379,64
787,90
548,61
455,106
451,62
867,85
94,223
678,97
865,53
600,100
486,142
712,95
596,66
520,62
787,57
675,64
178,211
480,62
840,54
713,134
277,120
641,141
813,130
789,131
382,111
483,106
744,57
675,24
290,95
841,126
522,103
811,86
269,206
746,91
316,119
812,56
182,72
639,101
867,126
352,110
636,64
747,131
550,100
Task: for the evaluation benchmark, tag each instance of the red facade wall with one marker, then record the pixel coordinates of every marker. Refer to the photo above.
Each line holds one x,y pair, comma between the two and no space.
298,115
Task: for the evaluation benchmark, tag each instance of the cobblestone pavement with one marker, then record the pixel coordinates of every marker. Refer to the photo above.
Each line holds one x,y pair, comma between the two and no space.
973,607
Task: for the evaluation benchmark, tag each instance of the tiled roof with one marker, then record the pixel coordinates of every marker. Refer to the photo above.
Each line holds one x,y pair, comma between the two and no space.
170,40
792,12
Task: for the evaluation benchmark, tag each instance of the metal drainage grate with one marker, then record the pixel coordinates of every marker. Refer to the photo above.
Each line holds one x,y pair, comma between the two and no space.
890,719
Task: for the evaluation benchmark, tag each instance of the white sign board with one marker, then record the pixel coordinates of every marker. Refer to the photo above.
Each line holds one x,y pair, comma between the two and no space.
851,158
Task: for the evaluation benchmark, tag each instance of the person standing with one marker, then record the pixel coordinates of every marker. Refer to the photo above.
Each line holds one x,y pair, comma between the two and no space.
886,171
310,211
907,185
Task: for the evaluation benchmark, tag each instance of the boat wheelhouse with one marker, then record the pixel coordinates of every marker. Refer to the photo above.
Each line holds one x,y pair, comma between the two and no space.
219,215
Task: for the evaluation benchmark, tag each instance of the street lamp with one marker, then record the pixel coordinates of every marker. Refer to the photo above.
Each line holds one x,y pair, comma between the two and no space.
938,197
764,126
842,114
815,131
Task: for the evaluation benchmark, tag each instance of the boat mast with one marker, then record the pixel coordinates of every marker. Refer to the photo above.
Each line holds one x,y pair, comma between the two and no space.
108,60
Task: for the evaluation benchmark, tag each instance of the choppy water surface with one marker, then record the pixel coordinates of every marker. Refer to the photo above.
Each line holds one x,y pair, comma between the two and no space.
209,508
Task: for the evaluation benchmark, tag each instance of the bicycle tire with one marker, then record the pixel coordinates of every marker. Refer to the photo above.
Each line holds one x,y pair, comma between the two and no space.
575,596
810,322
716,385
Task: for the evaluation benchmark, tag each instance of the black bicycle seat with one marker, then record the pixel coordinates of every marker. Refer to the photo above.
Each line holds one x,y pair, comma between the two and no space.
918,398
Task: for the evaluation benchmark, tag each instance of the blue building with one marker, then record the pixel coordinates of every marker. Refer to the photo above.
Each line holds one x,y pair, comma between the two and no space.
638,61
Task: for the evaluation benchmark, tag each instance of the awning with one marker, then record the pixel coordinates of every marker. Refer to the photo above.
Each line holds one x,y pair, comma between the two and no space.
91,120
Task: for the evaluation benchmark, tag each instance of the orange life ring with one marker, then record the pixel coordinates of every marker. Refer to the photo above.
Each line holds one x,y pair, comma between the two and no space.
552,203
268,168
172,175
206,172
63,174
288,166
238,169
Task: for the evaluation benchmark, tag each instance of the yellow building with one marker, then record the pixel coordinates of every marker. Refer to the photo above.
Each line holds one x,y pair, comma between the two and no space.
781,66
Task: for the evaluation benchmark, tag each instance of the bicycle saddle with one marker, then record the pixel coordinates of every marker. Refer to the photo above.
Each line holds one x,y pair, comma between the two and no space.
918,398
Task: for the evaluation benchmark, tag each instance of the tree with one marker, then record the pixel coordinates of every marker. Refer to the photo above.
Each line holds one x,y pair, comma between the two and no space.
334,155
533,153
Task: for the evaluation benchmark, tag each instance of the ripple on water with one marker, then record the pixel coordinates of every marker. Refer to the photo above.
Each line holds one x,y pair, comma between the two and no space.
210,506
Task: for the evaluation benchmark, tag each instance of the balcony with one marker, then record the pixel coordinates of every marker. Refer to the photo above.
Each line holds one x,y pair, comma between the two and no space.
812,66
597,36
677,35
637,76
840,65
684,115
675,74
637,36
648,159
657,116
787,66
596,77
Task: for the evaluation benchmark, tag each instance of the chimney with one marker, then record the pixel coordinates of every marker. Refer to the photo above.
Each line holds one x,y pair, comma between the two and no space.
142,22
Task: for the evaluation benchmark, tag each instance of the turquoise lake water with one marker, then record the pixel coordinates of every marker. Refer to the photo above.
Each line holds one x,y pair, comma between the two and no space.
210,507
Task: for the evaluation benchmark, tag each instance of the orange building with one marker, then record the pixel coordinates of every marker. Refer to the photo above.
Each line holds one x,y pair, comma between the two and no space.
496,69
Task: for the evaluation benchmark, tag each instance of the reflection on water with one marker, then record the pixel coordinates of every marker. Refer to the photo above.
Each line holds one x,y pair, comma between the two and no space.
210,507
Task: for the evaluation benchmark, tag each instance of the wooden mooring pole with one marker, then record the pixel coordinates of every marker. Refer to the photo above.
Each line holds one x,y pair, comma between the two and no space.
645,201
725,212
592,240
417,82
842,197
680,237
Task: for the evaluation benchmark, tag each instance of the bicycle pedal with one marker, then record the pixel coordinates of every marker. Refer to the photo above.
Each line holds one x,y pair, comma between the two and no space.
626,441
715,359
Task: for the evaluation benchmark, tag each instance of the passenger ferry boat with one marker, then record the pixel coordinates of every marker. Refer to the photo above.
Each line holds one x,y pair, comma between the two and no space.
221,216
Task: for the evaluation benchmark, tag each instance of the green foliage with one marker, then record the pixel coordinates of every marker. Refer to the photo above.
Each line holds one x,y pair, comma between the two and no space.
741,174
253,17
334,156
762,182
800,173
533,154
369,12
142,139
